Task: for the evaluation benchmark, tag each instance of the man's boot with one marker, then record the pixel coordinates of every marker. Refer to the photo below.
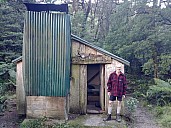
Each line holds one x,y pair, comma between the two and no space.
108,118
118,118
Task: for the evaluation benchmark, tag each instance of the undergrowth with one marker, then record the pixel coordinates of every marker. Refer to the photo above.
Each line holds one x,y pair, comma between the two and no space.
156,95
44,123
163,115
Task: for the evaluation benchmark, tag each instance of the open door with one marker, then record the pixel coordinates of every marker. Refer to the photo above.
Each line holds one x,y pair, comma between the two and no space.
94,88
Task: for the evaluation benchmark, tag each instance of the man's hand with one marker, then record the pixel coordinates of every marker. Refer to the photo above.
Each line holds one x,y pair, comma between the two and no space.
124,96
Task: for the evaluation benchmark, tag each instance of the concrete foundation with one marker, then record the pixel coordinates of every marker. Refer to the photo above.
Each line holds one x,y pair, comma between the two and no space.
42,106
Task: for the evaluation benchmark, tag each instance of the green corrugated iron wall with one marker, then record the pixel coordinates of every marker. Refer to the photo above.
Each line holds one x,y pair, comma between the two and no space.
46,54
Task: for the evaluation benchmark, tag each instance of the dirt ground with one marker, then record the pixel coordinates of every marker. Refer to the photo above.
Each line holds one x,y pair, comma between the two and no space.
9,118
143,119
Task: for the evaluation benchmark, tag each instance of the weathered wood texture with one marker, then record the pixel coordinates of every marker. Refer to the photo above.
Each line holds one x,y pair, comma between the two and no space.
83,89
74,89
78,88
86,55
102,87
20,92
75,84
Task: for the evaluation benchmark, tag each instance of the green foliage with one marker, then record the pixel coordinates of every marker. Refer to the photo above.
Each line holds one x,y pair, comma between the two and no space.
131,104
166,121
43,123
2,88
38,123
139,85
11,28
142,38
2,99
2,105
2,1
6,67
76,23
163,115
165,66
159,94
148,67
139,94
65,125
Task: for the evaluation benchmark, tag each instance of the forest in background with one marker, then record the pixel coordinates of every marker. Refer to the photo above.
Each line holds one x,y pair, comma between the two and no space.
136,30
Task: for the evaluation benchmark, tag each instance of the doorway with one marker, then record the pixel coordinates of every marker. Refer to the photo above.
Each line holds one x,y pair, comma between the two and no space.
93,88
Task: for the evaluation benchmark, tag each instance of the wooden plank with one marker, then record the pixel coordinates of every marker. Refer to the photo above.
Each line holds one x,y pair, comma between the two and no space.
102,87
90,50
83,89
80,61
75,47
82,48
20,91
74,89
82,54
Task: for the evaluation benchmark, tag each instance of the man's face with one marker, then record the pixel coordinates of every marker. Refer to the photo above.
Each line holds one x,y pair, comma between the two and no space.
118,69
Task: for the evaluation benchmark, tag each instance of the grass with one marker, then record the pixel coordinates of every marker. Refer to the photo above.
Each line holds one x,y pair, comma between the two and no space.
75,123
163,115
45,123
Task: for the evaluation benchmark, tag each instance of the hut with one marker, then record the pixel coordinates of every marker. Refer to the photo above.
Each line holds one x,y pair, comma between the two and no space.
90,69
60,73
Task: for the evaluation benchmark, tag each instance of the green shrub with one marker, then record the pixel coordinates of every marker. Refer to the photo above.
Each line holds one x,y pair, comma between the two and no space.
166,121
138,94
2,88
2,105
37,123
160,93
163,115
65,125
131,105
139,86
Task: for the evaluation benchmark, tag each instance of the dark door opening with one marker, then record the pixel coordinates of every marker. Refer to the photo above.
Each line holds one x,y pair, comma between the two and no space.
93,88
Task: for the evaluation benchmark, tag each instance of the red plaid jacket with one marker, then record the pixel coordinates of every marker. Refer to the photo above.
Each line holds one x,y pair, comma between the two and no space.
117,85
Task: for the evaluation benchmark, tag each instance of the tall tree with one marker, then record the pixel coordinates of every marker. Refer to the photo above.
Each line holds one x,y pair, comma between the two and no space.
11,28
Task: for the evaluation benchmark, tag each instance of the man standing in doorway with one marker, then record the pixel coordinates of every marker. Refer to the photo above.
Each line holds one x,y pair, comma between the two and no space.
116,87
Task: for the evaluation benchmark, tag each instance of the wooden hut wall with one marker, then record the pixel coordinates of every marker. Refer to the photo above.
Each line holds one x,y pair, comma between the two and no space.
83,89
81,56
20,93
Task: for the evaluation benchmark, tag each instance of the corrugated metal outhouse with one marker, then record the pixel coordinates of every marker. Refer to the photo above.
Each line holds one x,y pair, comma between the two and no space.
46,60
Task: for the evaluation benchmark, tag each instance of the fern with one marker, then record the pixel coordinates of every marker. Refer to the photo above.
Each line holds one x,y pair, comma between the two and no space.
159,94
